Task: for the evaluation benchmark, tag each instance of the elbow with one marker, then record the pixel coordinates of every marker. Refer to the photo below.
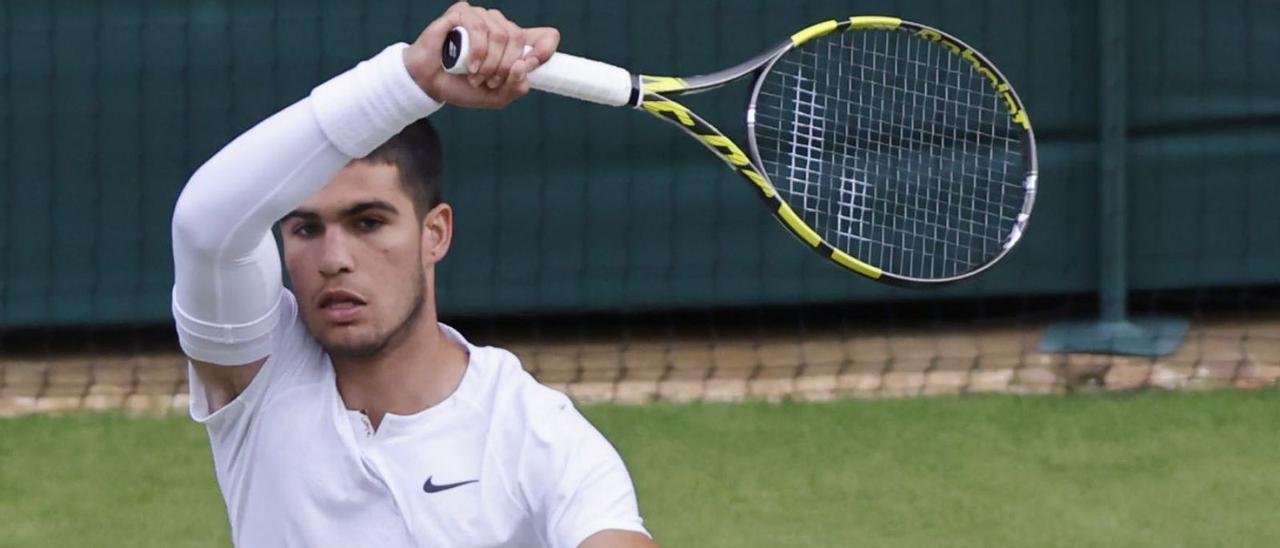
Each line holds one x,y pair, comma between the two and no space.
195,223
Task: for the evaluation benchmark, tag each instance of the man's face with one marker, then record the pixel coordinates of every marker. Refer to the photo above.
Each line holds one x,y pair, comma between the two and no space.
360,260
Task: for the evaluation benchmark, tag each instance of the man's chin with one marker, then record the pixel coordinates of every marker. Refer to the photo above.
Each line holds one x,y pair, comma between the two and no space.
344,350
349,341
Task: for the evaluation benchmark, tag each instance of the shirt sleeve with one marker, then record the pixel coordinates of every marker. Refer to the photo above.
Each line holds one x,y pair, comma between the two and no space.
227,283
580,484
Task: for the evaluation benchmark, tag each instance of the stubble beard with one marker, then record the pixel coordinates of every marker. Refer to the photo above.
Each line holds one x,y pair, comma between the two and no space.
394,336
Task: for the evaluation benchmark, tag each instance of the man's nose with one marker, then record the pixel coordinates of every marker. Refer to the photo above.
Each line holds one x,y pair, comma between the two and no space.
335,259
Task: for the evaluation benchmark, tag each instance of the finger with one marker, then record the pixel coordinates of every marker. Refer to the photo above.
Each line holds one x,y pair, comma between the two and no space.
497,32
517,85
513,53
521,87
512,91
544,40
478,37
520,69
433,37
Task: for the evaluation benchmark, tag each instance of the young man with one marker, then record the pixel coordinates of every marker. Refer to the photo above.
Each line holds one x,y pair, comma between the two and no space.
342,413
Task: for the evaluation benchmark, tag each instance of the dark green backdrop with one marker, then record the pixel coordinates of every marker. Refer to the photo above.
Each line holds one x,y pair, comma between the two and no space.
109,105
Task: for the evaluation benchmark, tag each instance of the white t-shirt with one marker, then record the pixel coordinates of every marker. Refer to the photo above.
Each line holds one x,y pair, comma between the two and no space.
503,461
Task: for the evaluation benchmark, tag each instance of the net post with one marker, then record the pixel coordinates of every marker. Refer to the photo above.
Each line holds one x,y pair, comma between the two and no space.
1114,332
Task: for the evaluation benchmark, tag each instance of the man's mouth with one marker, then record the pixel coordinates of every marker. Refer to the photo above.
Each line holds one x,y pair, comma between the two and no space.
341,305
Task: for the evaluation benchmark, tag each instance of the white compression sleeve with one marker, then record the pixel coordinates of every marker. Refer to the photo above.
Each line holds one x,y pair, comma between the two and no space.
227,284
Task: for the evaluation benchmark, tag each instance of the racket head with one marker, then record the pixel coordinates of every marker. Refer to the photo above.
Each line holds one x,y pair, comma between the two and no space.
896,150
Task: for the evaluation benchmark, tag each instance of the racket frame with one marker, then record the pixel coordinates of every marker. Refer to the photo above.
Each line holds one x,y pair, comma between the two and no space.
606,84
653,94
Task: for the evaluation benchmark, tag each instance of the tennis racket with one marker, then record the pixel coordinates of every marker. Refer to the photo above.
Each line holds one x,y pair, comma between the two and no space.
891,148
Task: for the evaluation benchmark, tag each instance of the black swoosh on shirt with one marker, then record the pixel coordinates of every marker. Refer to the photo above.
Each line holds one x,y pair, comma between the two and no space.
433,488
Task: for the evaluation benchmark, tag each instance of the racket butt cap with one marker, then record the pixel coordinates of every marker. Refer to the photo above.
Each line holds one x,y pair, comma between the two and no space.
453,53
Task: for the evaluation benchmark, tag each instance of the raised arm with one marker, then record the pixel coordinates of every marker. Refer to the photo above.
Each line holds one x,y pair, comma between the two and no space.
227,270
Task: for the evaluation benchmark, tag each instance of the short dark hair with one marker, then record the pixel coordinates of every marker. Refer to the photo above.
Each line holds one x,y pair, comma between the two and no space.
416,154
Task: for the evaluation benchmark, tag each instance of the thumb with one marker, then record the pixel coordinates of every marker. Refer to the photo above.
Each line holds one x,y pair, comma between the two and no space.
544,42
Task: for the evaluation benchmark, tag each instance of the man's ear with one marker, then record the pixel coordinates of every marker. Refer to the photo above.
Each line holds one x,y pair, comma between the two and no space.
437,233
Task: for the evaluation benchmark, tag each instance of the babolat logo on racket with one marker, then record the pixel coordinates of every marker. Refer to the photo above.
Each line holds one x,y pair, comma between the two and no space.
983,68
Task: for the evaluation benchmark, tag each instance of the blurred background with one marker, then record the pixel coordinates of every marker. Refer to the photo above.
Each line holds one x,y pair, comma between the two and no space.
584,225
624,265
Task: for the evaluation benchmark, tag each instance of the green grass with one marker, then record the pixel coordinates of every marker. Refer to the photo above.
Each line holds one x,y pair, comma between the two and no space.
1144,470
108,480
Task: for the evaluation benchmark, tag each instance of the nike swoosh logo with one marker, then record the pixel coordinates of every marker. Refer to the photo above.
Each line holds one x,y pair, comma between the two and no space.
433,488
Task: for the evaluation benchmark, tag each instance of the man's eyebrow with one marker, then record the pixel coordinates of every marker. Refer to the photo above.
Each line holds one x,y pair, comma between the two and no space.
304,214
366,206
353,210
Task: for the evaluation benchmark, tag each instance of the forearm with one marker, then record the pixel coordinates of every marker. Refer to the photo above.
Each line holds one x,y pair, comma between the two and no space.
227,279
227,268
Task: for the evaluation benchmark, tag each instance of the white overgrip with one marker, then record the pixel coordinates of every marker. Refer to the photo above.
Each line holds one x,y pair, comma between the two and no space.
565,74
584,79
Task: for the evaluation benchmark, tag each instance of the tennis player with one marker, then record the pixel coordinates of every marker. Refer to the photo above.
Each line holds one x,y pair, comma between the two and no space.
342,413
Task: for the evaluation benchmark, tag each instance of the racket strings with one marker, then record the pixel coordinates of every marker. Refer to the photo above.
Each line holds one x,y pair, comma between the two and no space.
895,150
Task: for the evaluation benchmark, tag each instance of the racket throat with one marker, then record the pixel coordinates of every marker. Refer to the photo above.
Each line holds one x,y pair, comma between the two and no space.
710,137
689,85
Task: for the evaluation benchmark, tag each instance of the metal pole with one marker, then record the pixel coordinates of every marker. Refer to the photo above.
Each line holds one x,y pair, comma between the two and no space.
1114,332
1112,164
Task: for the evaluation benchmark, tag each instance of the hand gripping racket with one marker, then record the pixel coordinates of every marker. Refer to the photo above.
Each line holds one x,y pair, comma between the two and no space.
890,148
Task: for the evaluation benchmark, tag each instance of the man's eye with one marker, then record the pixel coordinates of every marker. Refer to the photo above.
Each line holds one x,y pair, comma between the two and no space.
306,230
369,225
